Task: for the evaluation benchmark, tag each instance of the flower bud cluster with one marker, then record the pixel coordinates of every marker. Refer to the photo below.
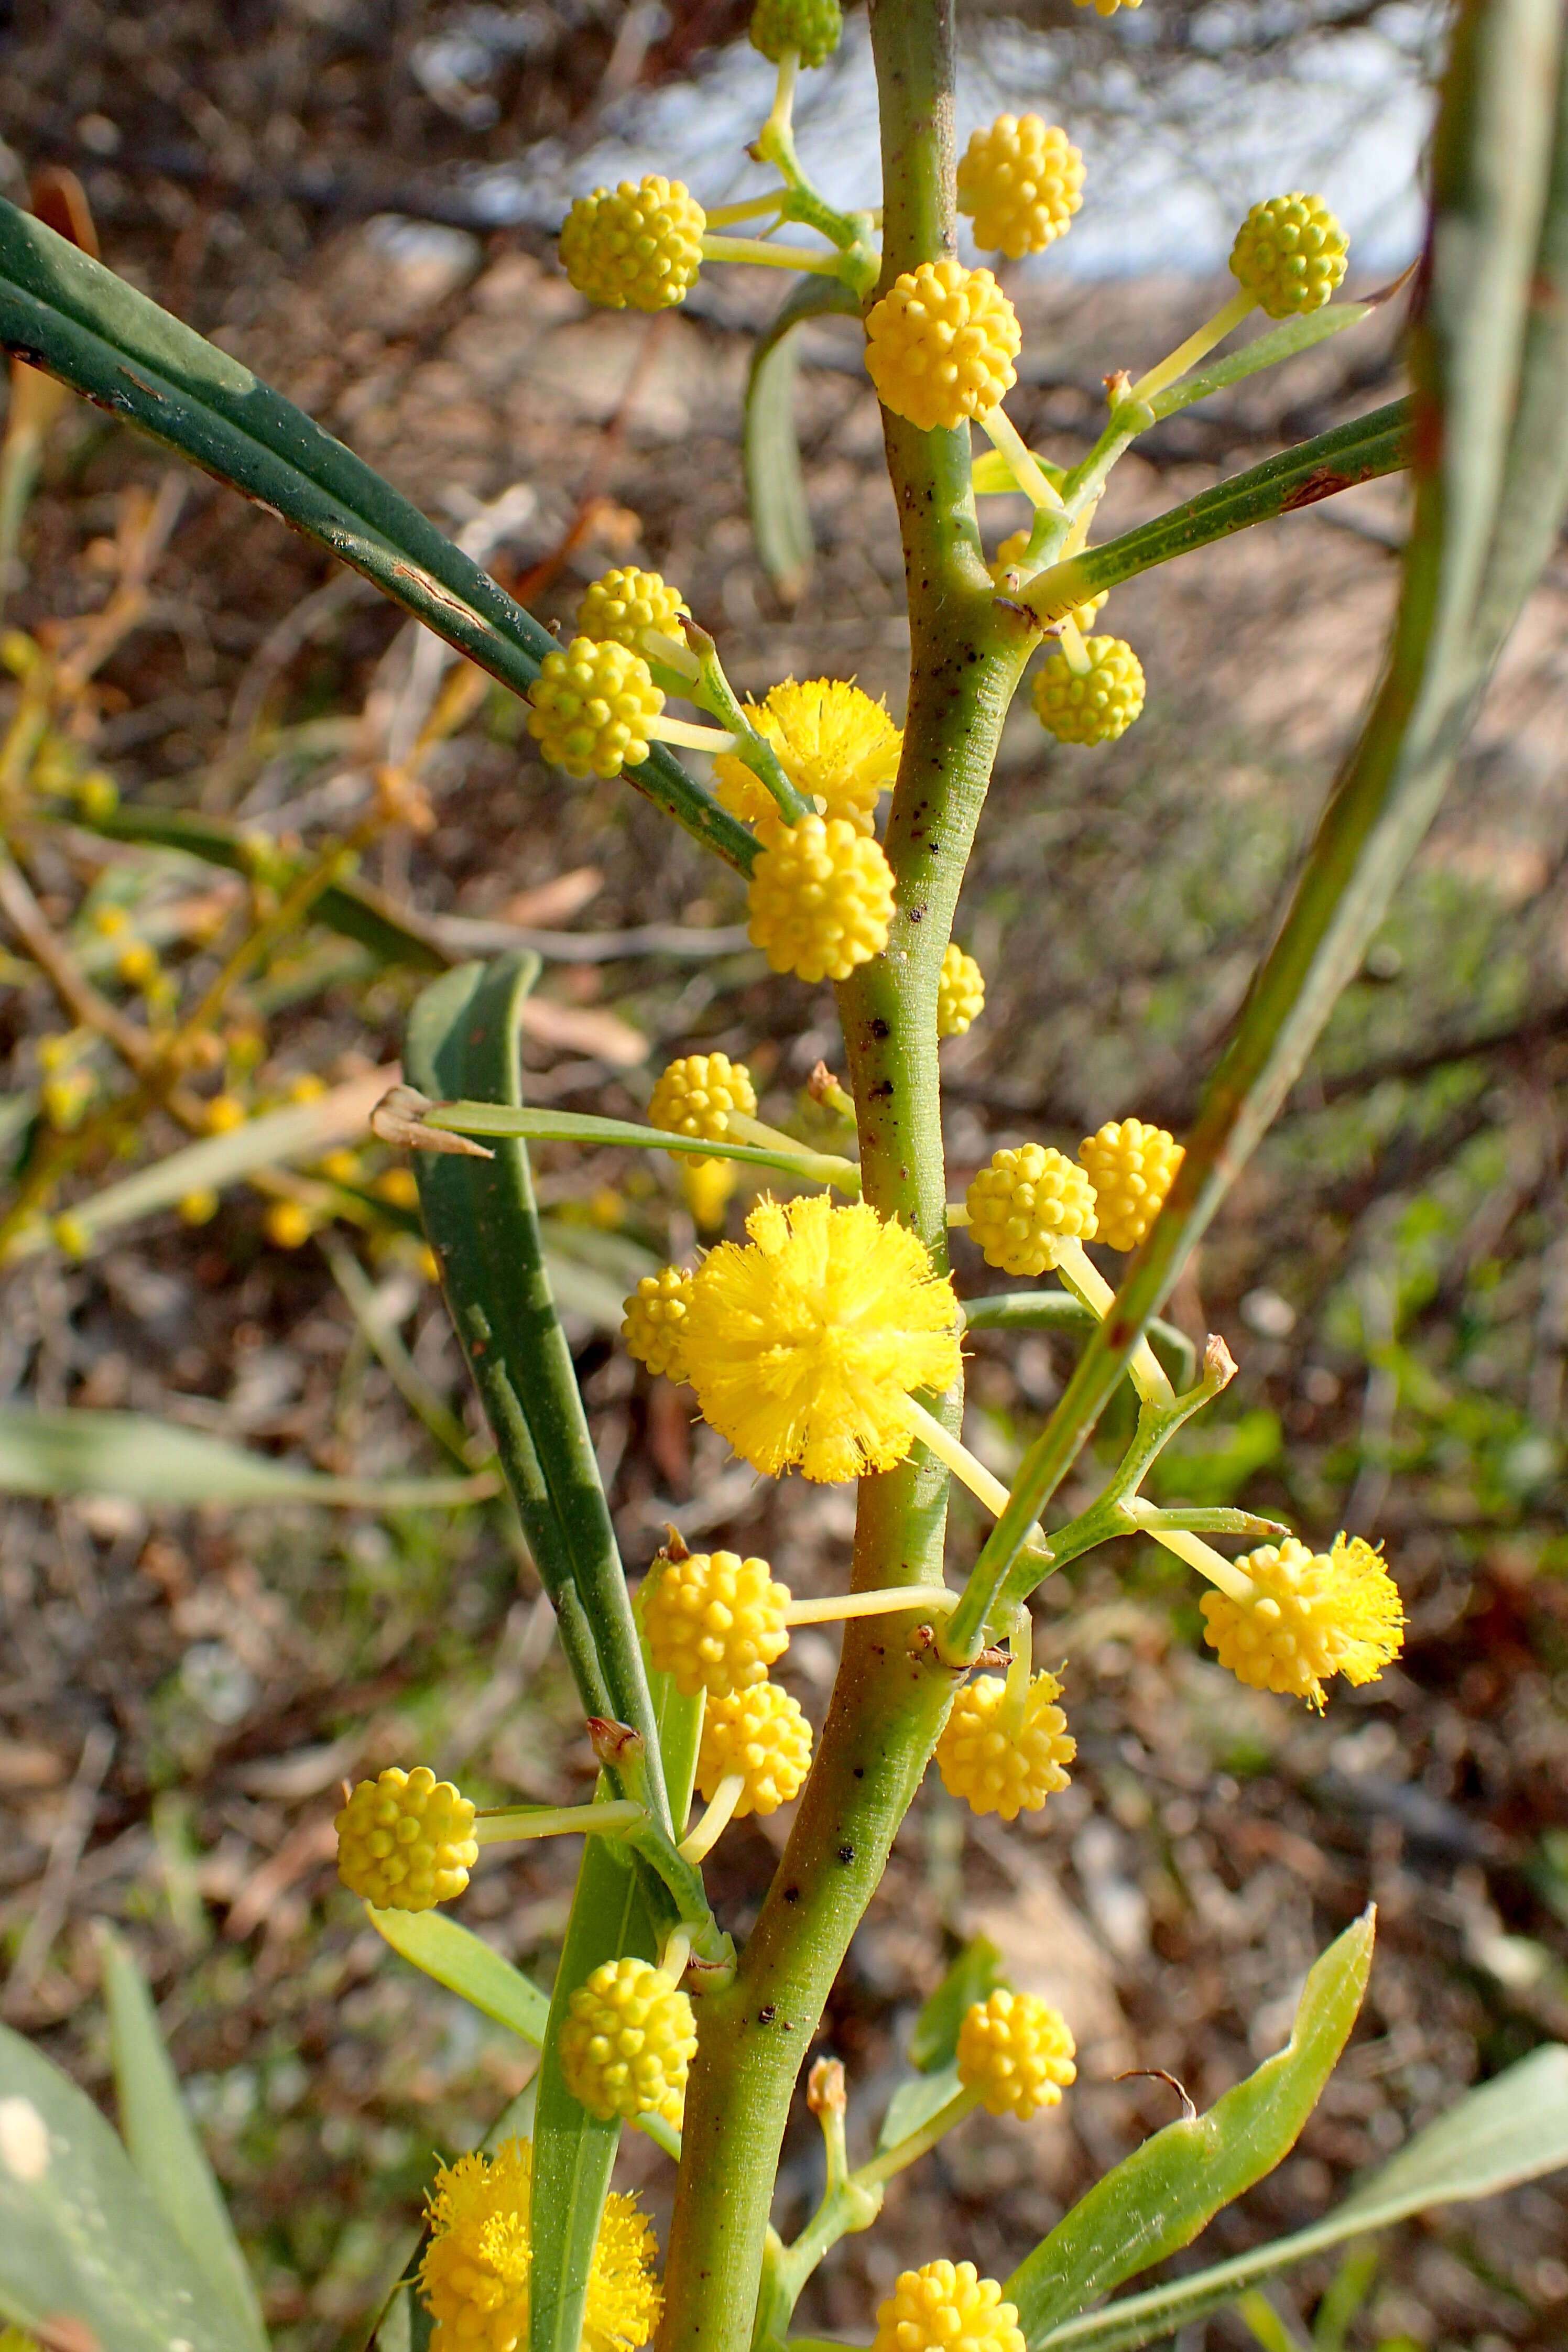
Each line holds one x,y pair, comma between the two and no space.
1021,181
1095,706
1026,1202
405,1841
638,245
627,2041
997,1767
940,345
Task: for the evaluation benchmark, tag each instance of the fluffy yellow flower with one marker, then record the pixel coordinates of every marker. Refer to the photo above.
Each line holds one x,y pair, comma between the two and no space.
804,1343
654,1325
947,2307
761,1734
1313,1614
474,2276
1022,181
834,743
999,1768
820,899
1131,1168
1017,2052
960,993
627,2040
405,1841
695,1096
1024,1203
640,244
940,345
713,1621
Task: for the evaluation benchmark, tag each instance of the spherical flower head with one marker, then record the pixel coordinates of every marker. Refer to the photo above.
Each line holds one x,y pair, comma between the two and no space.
960,993
714,1621
654,1325
820,899
641,244
1131,1168
1021,181
761,1734
1289,255
995,1767
1097,707
1313,1614
618,607
696,1095
1017,2052
405,1841
475,2275
940,345
1026,1202
834,743
812,26
591,707
804,1343
947,2307
627,2040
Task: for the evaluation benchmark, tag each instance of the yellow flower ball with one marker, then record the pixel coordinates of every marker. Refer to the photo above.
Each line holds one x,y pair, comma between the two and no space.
714,1621
1313,1614
1021,181
761,1734
834,743
1131,1168
995,1767
1017,2052
1024,1203
960,993
804,1344
288,1224
940,345
812,27
696,1095
1097,707
947,2307
591,707
619,605
654,1325
475,2275
1289,255
820,899
405,1841
641,244
627,2039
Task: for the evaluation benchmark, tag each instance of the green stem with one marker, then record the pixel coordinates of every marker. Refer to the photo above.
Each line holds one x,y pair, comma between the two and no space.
967,655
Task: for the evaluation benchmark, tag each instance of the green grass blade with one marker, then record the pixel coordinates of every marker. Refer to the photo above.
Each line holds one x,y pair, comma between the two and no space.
162,2144
84,2244
1514,2128
65,313
781,519
482,1224
1493,167
1163,2195
73,1450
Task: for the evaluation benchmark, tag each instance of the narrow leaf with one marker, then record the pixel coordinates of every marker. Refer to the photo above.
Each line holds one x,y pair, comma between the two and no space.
71,1449
65,313
1514,2128
1281,343
974,1974
914,2102
781,519
444,1948
82,2239
162,2144
585,1126
481,1217
1159,2197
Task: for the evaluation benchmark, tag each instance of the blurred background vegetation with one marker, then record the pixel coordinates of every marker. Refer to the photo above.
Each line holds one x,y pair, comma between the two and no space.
332,188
